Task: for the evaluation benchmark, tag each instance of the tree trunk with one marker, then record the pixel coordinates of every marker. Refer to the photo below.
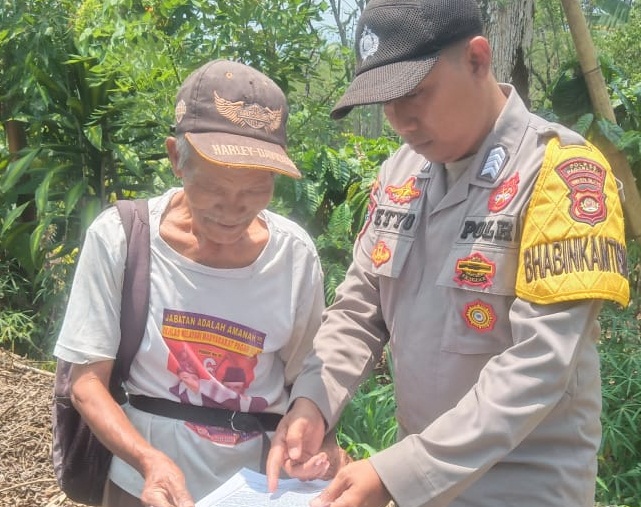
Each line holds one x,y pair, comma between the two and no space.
509,28
603,108
17,140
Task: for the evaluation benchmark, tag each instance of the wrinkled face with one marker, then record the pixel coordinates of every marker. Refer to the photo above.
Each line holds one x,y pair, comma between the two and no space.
224,201
440,119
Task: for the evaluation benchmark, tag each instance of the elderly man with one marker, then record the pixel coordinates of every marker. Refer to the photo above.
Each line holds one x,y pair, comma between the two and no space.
236,297
491,240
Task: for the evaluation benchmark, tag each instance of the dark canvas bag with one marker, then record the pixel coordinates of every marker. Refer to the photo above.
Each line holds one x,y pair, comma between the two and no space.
80,461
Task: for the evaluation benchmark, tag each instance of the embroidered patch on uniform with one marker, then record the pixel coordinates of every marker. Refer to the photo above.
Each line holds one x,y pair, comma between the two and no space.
585,179
503,194
391,219
489,230
368,45
576,252
584,255
381,254
248,115
475,270
480,316
407,192
494,163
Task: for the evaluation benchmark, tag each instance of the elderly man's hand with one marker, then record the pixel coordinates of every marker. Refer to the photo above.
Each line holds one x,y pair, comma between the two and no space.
164,484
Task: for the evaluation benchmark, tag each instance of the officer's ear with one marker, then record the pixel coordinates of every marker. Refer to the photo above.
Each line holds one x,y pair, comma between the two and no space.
479,55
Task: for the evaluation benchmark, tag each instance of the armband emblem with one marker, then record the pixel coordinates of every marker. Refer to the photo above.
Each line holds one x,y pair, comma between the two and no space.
381,254
405,193
576,251
503,194
475,271
480,316
585,180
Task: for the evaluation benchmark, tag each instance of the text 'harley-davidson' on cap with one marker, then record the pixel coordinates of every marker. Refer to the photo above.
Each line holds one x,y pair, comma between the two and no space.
234,115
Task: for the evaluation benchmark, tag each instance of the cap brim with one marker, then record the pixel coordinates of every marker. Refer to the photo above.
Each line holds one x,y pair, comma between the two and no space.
242,152
384,83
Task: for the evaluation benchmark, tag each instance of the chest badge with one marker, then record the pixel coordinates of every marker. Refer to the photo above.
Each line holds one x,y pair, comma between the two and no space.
405,193
381,254
585,180
475,271
503,194
480,316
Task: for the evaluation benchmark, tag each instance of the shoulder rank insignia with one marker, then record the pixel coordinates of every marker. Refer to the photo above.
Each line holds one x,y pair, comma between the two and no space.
573,240
494,163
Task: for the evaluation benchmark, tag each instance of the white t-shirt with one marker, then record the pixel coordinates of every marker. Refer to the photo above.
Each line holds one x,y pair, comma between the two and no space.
231,338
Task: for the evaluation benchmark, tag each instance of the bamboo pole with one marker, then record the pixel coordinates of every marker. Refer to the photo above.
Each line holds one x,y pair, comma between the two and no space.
603,108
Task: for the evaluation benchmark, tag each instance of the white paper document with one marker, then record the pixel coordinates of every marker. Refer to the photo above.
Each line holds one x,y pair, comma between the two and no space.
249,489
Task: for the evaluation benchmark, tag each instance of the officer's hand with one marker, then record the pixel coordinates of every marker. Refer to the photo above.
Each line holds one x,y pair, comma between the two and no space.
323,465
165,485
355,485
298,439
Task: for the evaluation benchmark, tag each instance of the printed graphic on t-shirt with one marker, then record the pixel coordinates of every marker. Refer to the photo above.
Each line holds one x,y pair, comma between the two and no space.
213,360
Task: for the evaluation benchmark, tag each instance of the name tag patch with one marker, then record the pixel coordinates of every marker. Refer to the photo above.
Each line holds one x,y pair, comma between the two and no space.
488,229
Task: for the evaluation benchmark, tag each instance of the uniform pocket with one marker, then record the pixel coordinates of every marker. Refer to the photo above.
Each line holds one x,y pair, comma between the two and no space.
479,287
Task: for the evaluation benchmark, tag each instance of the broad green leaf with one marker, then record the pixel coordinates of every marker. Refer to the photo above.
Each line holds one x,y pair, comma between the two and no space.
73,195
16,169
94,134
42,193
35,241
610,130
11,217
583,124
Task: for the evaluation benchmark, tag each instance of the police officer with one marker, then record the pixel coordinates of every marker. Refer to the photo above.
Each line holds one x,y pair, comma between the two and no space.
492,239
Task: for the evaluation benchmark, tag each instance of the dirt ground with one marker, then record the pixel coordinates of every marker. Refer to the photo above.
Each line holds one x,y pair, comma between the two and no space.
26,472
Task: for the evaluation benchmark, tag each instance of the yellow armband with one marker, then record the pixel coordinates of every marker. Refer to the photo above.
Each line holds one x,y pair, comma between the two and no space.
573,239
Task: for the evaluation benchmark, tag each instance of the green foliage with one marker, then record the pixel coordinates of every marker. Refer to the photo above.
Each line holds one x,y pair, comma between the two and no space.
91,85
620,349
16,324
368,423
331,202
571,105
624,43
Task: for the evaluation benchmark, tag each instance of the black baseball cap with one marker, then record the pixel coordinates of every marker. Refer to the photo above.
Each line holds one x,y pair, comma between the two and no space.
398,43
236,116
